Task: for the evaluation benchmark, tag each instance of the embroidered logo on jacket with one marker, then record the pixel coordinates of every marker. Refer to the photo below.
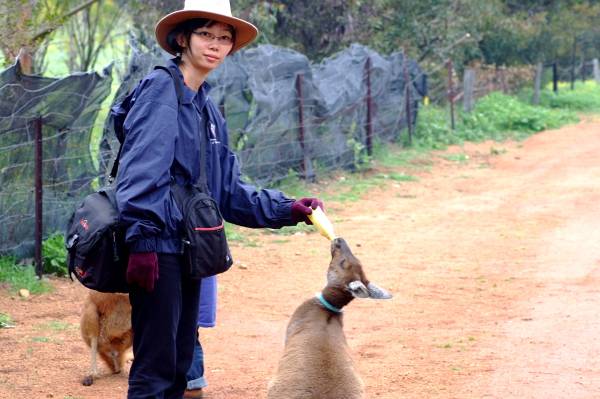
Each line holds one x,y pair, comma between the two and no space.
213,134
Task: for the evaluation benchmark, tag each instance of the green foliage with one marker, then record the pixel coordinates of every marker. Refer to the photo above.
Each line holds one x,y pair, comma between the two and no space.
6,321
495,116
433,129
498,117
17,277
585,97
54,255
361,158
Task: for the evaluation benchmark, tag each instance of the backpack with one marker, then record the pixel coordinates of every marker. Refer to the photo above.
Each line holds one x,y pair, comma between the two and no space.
95,239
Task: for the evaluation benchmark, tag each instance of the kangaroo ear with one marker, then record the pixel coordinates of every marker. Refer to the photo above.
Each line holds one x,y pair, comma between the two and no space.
376,292
358,289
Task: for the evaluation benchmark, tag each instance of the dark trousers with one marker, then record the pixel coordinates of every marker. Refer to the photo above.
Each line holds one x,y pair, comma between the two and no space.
164,332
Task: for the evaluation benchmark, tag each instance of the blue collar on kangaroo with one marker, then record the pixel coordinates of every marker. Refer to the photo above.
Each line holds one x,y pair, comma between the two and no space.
326,304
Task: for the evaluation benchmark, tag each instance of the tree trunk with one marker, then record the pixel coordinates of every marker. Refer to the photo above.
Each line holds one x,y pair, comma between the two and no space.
25,60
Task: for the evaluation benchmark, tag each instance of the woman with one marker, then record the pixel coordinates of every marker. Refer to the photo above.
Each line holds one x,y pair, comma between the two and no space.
162,145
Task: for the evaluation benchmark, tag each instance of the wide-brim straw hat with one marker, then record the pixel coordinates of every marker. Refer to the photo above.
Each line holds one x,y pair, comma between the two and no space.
216,10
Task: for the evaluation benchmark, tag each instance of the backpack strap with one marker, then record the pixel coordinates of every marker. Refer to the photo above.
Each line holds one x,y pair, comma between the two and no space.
202,182
176,82
178,90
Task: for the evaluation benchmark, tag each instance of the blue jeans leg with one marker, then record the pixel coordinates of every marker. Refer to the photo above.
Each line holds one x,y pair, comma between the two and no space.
195,375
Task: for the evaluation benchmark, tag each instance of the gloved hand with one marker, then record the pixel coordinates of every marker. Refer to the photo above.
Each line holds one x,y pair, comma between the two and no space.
142,269
303,207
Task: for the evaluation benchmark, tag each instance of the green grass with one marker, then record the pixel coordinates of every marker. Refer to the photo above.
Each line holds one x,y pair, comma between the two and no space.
6,321
584,98
55,325
495,117
18,277
235,234
40,339
291,230
397,177
458,158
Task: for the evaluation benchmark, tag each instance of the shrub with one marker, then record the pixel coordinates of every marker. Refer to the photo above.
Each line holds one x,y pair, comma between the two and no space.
54,255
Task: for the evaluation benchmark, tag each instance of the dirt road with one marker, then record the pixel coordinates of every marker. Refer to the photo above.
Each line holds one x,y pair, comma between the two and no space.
494,263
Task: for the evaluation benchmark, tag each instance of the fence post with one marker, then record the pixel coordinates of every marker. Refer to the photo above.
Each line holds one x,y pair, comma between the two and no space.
369,104
573,54
539,71
596,67
38,170
301,122
407,97
469,90
555,77
451,94
305,168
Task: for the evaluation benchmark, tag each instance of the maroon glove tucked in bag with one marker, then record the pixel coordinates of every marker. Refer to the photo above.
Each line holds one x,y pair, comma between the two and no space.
303,207
142,269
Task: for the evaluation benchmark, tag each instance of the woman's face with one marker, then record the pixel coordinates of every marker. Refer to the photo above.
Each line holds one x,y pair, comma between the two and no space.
208,47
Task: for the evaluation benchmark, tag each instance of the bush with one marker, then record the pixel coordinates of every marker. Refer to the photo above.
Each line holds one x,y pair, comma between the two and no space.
498,117
54,255
585,97
495,116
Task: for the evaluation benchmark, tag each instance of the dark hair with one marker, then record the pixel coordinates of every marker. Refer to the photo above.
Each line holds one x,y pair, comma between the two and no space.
187,27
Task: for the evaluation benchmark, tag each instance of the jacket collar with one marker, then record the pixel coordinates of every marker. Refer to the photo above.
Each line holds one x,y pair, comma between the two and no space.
189,94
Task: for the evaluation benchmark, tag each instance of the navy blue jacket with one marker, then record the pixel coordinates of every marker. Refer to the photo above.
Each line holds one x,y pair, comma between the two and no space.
162,142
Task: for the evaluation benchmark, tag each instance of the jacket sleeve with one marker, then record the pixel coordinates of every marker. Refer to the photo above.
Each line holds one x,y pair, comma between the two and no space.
245,204
143,182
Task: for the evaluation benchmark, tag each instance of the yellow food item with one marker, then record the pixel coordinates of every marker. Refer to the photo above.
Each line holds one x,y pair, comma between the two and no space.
322,223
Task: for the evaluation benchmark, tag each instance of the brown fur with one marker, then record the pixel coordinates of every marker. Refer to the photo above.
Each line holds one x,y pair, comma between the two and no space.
106,329
316,363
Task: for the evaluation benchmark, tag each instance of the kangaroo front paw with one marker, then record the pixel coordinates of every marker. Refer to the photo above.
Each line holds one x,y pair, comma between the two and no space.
88,380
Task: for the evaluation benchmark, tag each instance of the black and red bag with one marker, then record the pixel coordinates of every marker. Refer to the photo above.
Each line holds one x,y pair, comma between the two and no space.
96,251
205,248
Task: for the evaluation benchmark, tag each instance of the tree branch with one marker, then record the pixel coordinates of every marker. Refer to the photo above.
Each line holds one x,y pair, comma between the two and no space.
46,31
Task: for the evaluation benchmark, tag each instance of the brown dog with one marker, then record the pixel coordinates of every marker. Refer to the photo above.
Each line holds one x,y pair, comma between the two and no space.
106,329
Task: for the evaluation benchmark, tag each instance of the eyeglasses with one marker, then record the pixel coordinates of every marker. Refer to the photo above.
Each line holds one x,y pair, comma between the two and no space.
208,37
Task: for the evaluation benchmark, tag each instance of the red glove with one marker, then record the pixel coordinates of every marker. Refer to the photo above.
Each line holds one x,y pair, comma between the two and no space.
303,207
142,269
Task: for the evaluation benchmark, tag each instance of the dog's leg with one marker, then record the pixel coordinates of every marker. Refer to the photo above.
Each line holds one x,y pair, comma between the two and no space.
89,380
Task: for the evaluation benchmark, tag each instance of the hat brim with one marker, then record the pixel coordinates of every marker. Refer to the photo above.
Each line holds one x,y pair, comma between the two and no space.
245,32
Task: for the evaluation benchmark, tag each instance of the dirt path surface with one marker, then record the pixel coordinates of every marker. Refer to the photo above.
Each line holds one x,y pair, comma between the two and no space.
494,263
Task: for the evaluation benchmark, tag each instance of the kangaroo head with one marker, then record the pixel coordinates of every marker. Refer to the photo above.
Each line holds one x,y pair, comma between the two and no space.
346,272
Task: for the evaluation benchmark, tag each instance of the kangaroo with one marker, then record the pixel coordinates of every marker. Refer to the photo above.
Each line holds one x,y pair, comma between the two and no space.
316,362
106,329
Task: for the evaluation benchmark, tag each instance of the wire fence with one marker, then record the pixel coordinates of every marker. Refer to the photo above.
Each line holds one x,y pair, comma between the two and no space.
285,116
